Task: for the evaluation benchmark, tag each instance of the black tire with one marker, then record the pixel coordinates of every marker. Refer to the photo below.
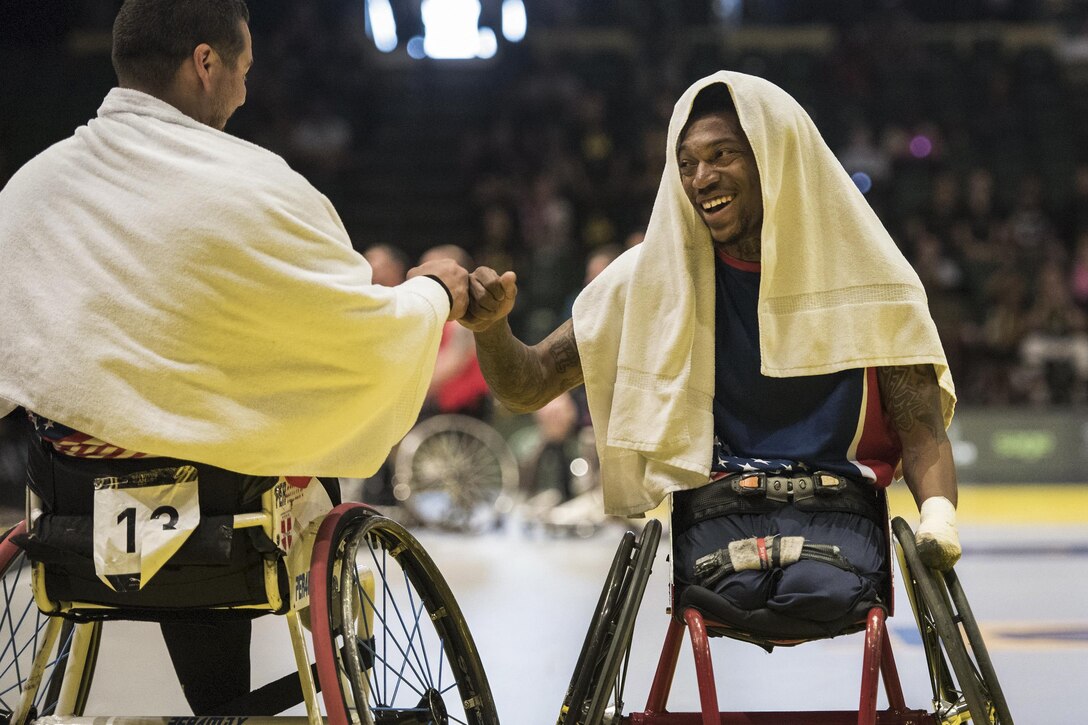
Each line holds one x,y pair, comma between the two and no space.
413,659
978,647
455,472
21,628
961,674
600,626
601,670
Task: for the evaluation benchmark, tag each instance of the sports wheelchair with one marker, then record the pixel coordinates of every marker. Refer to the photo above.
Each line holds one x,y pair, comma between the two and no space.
389,641
961,674
455,472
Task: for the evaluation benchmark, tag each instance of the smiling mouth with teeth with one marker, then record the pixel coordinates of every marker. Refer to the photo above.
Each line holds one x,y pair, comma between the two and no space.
716,204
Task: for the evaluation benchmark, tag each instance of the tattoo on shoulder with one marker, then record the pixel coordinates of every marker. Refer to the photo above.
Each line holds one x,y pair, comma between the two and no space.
912,398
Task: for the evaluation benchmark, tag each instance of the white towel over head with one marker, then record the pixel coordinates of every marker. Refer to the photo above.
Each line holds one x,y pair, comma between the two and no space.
835,294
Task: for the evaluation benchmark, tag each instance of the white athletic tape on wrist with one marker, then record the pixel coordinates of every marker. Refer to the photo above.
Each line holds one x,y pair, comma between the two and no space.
937,511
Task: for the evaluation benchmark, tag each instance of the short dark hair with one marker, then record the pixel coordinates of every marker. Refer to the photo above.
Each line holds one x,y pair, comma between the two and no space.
712,100
152,37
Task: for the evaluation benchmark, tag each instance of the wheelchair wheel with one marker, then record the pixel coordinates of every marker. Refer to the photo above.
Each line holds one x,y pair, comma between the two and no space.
391,643
961,674
595,693
455,472
65,680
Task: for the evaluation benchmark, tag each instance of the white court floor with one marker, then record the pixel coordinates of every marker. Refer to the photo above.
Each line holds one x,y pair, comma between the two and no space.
528,599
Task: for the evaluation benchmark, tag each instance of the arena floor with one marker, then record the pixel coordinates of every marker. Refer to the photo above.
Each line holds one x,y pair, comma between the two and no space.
528,598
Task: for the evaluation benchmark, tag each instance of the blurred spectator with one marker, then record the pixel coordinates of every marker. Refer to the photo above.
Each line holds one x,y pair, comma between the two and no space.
388,264
1055,348
1078,275
320,140
457,385
1074,218
863,154
1030,225
548,463
992,348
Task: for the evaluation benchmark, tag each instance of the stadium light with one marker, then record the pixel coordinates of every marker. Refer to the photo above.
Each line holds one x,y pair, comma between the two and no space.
381,25
514,20
451,28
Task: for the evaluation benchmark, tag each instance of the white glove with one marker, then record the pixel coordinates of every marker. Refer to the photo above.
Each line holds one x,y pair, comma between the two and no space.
937,539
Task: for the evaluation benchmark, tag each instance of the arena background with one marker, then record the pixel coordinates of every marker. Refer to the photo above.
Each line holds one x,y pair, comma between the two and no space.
963,122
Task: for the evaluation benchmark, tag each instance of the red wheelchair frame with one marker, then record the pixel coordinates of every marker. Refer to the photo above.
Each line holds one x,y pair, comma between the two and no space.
962,677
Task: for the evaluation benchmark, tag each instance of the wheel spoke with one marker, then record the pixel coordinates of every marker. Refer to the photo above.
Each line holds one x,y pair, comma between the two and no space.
416,684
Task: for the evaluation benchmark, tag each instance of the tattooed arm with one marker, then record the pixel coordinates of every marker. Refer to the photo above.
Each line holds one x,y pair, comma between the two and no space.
524,378
521,377
912,400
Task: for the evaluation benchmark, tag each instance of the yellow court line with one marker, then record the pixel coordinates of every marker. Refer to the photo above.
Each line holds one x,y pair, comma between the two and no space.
1004,503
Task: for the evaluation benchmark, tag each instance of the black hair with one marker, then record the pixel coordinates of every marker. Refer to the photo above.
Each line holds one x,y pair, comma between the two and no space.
152,37
712,100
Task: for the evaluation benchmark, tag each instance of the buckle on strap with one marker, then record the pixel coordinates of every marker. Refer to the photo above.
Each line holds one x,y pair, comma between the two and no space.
787,487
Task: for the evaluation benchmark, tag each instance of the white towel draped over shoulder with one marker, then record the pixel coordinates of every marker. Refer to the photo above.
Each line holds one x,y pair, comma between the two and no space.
171,289
835,293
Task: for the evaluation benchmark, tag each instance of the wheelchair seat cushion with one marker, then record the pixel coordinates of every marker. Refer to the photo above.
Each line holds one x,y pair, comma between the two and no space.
804,600
766,627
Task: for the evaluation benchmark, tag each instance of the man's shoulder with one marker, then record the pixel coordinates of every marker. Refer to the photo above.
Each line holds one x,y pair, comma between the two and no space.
44,165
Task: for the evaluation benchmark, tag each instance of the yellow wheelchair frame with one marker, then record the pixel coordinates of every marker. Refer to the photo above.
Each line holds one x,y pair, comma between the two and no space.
353,634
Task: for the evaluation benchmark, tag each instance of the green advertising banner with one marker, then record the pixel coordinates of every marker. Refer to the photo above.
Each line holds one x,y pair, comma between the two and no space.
1017,445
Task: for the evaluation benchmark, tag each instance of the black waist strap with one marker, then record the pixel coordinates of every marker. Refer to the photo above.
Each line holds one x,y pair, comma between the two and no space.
760,493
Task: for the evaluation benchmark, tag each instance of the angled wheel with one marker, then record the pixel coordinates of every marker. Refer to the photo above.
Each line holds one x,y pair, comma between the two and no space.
391,643
455,472
64,652
962,676
595,693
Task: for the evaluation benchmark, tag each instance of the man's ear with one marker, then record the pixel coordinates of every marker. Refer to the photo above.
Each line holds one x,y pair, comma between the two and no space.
203,58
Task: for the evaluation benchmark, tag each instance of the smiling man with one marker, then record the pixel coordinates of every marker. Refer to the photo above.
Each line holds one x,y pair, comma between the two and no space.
768,331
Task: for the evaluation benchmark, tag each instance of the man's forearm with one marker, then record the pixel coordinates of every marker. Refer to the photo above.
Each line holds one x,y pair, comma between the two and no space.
930,471
524,378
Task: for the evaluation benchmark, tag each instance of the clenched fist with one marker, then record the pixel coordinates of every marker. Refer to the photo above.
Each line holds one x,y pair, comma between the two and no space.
453,276
491,298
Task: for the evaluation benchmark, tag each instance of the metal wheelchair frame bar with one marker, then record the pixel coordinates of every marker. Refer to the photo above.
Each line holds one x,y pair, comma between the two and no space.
878,664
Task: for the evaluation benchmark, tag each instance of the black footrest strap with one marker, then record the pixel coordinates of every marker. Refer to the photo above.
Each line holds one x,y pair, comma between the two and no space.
270,699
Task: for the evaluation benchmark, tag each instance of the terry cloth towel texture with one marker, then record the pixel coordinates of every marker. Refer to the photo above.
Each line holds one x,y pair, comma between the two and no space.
835,294
175,290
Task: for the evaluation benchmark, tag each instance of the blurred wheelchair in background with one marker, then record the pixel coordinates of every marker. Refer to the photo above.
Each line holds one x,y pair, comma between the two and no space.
455,472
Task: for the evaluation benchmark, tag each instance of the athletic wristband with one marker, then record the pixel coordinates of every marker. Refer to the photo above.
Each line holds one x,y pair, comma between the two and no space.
937,509
445,289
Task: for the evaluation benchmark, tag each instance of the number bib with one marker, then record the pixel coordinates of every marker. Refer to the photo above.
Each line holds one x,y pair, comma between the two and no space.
140,521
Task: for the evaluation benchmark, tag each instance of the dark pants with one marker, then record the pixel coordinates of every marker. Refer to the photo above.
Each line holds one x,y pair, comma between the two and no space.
211,659
811,590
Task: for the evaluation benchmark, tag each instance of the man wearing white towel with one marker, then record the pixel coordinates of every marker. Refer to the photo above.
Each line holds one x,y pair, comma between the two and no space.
767,339
173,293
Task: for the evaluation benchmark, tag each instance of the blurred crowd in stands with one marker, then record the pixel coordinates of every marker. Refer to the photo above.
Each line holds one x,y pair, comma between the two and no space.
962,122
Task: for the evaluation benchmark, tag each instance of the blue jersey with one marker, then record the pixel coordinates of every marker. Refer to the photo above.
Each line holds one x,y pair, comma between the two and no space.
831,422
